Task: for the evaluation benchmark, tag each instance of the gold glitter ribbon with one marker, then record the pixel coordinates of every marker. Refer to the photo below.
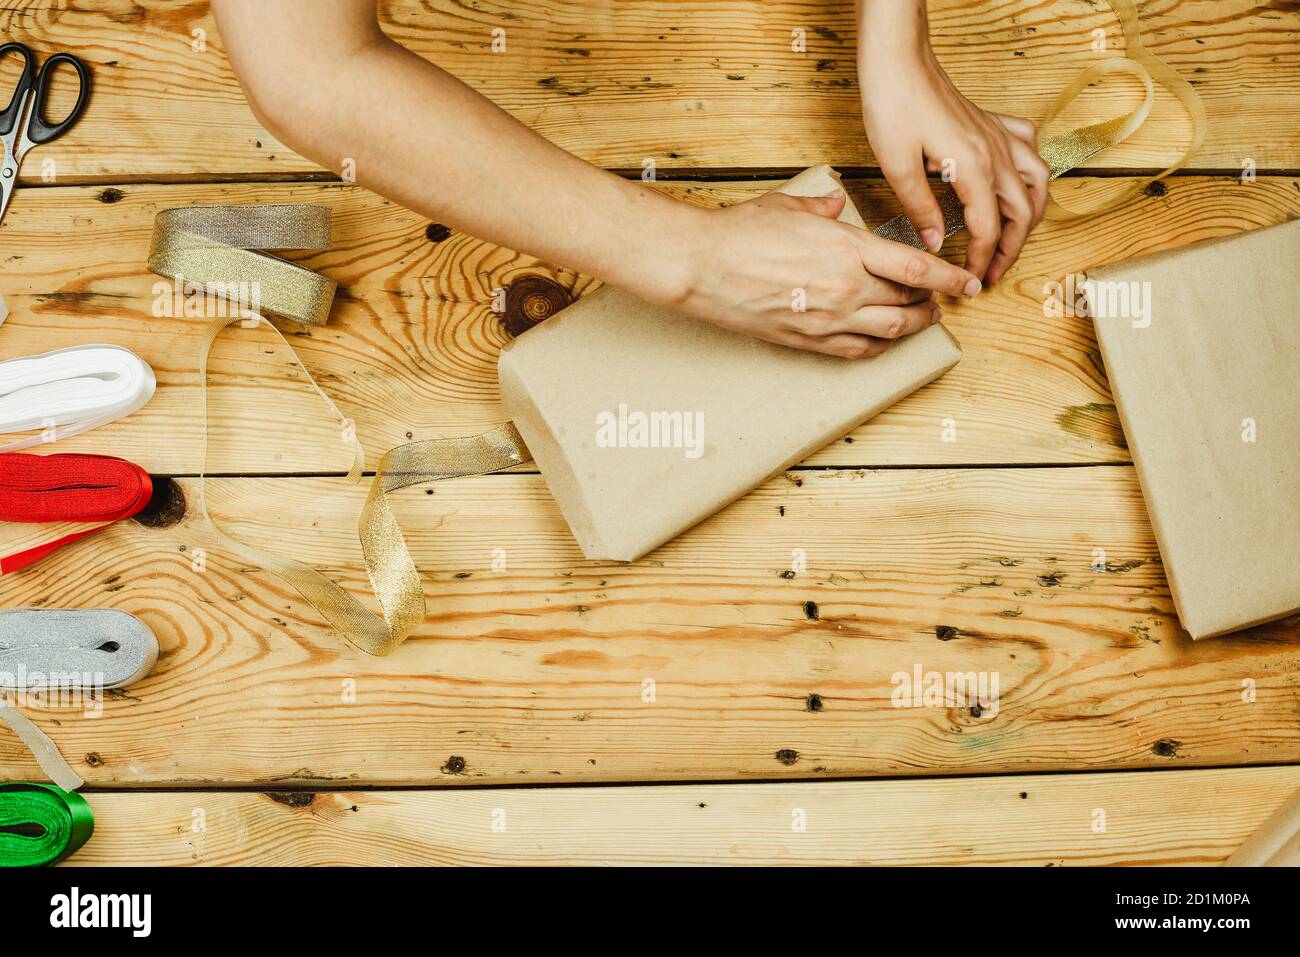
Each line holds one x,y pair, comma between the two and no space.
223,248
1065,151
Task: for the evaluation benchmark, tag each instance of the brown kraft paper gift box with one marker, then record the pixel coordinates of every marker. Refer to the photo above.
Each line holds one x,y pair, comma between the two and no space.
740,410
1205,382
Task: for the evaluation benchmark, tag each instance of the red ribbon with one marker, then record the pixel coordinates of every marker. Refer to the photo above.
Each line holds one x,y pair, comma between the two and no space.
67,488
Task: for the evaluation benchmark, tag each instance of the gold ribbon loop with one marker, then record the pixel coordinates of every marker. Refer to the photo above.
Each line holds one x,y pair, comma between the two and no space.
1069,150
217,246
1066,151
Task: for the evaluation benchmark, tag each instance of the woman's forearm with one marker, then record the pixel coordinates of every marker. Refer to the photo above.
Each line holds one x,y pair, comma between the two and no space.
891,29
334,88
323,77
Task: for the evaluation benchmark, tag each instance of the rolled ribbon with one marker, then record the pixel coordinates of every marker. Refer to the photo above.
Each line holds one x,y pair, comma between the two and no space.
114,647
41,825
54,652
69,391
223,245
217,246
68,487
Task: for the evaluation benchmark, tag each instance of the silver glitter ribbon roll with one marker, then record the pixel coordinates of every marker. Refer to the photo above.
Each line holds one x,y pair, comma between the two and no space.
50,652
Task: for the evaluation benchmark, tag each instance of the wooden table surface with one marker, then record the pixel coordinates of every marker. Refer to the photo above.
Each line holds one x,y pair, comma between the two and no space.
759,699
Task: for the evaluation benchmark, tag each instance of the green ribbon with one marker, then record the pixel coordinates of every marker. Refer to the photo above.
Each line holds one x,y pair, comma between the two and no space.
41,824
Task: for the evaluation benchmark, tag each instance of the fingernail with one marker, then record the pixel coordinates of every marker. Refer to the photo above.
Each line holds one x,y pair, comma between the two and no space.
932,238
972,287
935,315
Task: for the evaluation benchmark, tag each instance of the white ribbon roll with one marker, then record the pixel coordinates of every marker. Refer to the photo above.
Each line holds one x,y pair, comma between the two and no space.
71,391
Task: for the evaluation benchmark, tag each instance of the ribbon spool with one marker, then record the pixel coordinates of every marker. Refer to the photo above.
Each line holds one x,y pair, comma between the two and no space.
81,388
114,646
67,487
41,824
53,652
222,245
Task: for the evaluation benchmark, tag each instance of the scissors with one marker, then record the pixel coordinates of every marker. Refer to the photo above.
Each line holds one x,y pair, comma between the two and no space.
21,129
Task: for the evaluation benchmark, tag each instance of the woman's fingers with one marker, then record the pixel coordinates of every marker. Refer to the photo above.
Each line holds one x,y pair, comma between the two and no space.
975,186
1035,175
867,332
892,322
830,205
849,346
906,177
912,267
1019,127
1022,193
885,292
1017,209
1023,144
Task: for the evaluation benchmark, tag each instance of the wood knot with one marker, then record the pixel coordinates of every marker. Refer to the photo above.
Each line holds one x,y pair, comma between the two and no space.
1166,748
455,765
166,505
292,798
531,299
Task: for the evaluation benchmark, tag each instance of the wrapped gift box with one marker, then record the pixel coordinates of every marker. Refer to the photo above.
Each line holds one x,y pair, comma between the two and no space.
595,387
1202,348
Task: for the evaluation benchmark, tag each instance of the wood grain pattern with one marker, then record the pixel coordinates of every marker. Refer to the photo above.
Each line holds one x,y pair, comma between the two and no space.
762,662
763,646
1142,818
691,86
411,349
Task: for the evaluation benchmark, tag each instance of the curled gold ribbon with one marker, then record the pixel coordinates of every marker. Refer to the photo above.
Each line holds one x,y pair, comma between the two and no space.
217,246
1065,151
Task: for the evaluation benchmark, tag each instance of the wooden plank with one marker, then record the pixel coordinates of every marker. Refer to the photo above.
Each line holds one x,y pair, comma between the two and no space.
411,350
1141,818
691,86
765,643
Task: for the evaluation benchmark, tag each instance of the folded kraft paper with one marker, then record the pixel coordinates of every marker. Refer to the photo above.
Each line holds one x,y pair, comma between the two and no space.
644,422
1277,841
1202,348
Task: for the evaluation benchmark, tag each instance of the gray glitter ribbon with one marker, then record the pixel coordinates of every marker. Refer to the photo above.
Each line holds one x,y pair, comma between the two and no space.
52,652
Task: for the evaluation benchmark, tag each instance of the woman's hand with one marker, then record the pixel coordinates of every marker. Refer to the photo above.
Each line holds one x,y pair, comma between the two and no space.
918,122
781,268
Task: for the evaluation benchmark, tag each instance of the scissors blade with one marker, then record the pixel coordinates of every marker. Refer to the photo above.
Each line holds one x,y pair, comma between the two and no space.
16,145
6,186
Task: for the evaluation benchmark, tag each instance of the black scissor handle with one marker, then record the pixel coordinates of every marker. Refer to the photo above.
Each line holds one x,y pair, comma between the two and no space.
39,129
26,80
